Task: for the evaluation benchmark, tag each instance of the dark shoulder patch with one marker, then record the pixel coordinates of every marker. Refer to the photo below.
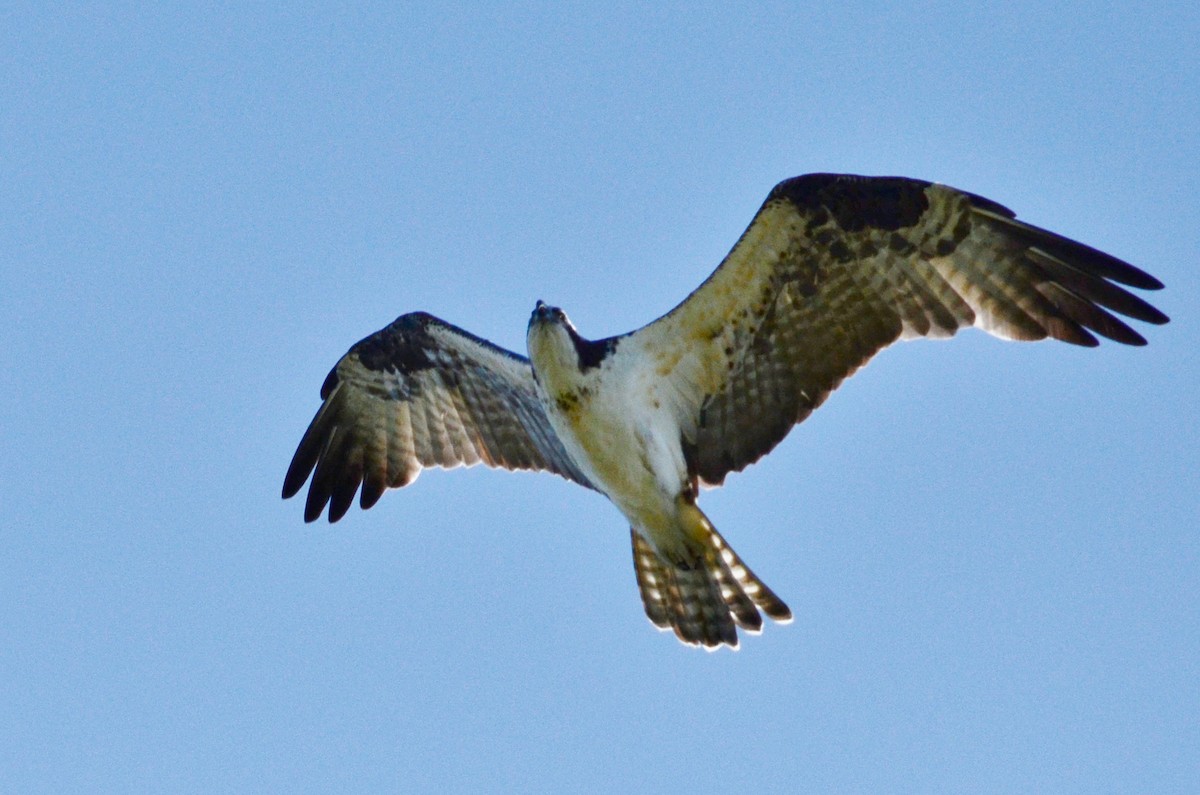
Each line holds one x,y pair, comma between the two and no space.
407,346
592,353
402,346
855,202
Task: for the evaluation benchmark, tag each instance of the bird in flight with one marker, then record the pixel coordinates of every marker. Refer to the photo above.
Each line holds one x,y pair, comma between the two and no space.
832,269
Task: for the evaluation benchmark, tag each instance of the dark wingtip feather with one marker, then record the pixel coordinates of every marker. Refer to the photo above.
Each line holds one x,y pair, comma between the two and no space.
342,498
299,470
1079,313
293,481
1145,280
1083,340
1095,289
1098,262
320,490
1066,330
308,453
1117,331
1136,308
372,490
1080,283
337,477
312,446
314,505
1078,254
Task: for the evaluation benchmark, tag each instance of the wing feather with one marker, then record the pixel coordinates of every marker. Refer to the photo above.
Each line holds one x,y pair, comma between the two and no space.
833,269
420,393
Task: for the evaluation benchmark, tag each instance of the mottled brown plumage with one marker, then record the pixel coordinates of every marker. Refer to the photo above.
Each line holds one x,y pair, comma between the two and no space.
420,393
823,291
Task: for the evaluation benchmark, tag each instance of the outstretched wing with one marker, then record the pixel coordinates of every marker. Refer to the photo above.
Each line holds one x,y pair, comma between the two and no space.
420,393
834,268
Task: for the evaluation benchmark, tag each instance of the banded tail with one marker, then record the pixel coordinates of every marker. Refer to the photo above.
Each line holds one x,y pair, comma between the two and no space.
706,594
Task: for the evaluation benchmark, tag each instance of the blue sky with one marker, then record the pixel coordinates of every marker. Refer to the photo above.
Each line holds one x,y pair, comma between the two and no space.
991,549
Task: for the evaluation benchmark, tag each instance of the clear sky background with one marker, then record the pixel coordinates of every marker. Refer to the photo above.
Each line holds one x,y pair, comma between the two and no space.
991,549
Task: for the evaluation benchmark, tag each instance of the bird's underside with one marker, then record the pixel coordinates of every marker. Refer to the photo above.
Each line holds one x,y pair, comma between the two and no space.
830,271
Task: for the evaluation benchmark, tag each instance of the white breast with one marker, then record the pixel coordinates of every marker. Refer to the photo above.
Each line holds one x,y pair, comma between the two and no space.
623,434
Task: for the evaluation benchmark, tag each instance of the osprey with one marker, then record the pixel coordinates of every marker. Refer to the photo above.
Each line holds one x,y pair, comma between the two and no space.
832,269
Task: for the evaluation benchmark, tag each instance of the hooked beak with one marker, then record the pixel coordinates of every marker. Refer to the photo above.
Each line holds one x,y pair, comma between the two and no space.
543,312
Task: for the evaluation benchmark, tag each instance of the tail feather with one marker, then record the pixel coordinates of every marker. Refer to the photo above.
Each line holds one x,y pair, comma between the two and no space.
654,581
703,596
699,614
752,587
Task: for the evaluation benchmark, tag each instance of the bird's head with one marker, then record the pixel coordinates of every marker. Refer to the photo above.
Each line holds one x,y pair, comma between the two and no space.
551,338
553,342
544,313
